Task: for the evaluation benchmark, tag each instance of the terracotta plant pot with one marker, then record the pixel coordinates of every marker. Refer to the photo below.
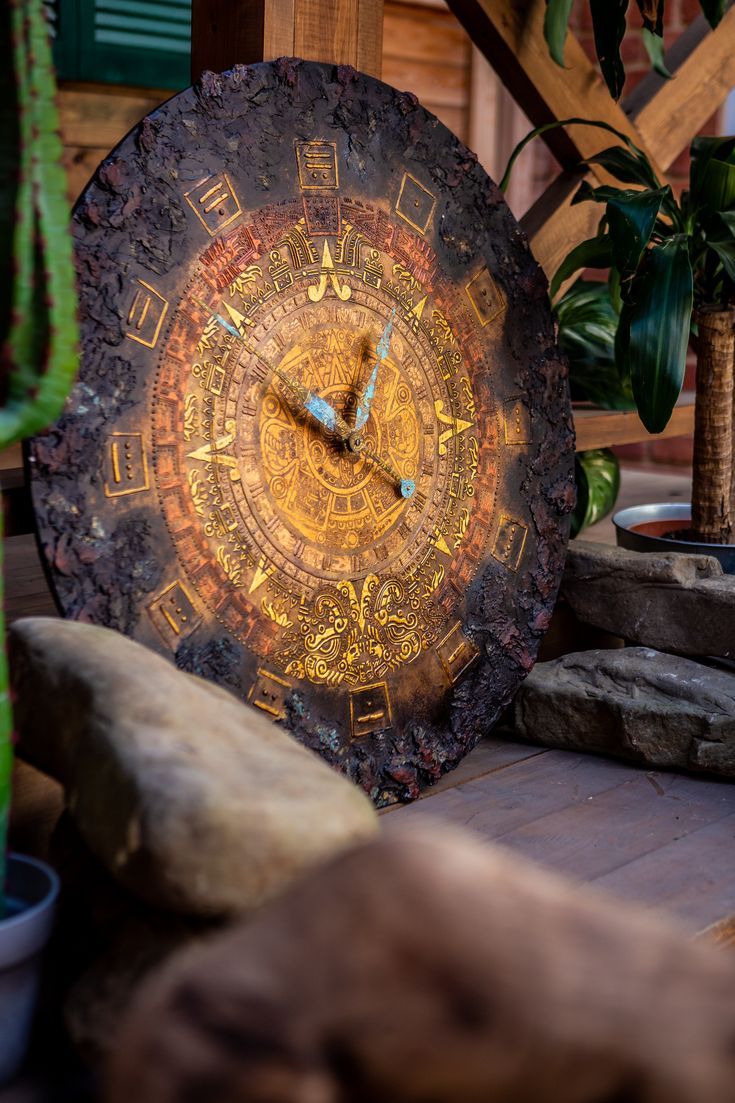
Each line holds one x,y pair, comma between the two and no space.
31,892
646,529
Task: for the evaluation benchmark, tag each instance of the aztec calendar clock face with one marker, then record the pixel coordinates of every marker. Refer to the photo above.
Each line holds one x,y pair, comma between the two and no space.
320,446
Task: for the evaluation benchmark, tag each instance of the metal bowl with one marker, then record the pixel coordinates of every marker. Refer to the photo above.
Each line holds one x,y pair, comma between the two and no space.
643,528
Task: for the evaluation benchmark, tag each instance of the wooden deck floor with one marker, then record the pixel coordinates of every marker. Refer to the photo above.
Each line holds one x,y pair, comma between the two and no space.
664,840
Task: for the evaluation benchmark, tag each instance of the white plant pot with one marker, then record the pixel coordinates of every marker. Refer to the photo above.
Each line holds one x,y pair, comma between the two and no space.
31,891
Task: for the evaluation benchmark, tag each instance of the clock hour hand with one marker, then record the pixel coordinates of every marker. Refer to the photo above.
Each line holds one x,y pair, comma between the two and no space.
365,400
406,487
318,407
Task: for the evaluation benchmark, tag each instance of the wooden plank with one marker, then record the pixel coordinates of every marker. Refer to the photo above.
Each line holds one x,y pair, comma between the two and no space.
414,34
438,85
582,814
612,829
499,802
554,226
489,756
26,589
605,428
225,32
693,877
99,116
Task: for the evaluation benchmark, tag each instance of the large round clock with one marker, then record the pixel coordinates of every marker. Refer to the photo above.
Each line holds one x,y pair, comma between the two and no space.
320,447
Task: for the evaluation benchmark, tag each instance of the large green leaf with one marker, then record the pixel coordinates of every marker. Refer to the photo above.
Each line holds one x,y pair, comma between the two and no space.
556,125
593,253
556,24
654,44
714,10
654,330
597,473
588,321
725,251
631,217
608,22
704,152
628,166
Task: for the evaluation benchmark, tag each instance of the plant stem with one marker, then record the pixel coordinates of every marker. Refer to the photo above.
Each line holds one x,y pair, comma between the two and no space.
713,428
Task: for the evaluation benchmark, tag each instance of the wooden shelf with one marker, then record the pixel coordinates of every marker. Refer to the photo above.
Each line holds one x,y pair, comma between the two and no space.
604,428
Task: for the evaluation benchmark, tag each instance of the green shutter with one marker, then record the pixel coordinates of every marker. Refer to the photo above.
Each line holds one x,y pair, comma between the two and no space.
137,42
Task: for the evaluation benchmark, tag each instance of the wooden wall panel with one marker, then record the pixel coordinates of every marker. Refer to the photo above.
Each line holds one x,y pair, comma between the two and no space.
425,51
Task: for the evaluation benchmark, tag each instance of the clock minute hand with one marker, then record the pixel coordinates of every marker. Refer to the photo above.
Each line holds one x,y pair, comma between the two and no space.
318,407
366,398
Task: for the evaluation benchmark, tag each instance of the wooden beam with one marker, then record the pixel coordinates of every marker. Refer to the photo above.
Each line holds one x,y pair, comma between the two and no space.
668,114
605,428
510,35
344,32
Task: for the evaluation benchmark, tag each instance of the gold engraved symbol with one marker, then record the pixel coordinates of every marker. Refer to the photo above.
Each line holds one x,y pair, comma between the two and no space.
455,425
317,165
214,202
174,613
486,297
215,453
127,467
269,693
456,653
346,637
370,710
415,203
328,274
517,420
510,542
146,314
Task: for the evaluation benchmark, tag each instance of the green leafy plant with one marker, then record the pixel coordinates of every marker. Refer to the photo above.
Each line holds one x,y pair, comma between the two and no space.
597,474
588,319
672,266
609,26
38,327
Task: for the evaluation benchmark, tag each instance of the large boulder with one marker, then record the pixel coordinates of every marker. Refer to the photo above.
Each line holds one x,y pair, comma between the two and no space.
425,966
192,800
636,703
673,602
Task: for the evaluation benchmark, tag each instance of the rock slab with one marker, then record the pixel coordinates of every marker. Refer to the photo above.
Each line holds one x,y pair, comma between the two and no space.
636,703
672,602
425,966
192,800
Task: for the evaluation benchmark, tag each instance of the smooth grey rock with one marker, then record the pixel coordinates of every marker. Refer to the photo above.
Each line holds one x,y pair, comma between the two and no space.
426,966
635,703
673,602
191,799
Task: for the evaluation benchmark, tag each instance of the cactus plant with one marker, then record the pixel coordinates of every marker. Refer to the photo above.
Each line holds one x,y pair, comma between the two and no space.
38,327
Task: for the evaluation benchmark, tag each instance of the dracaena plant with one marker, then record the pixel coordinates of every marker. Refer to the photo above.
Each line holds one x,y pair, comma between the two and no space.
609,26
671,266
38,328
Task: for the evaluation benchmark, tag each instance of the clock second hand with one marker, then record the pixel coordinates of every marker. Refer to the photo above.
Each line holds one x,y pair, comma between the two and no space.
318,407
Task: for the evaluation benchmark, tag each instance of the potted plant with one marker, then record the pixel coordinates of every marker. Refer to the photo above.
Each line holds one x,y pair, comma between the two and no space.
671,267
38,358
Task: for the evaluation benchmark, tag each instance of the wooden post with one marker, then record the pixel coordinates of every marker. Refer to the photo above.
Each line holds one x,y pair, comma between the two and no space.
345,32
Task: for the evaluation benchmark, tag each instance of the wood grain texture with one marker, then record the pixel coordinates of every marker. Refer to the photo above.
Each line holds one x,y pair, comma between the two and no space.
661,839
345,32
605,428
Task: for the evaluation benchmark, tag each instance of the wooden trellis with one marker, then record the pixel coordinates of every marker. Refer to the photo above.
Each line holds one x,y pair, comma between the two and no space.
661,116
